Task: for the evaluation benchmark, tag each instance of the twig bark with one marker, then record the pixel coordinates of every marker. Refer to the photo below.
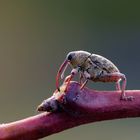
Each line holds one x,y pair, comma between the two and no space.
70,109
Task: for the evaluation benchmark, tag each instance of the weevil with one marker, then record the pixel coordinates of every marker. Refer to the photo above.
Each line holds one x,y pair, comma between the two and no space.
92,67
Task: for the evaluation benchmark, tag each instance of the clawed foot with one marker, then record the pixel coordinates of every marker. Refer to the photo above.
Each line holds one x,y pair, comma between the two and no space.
127,98
67,79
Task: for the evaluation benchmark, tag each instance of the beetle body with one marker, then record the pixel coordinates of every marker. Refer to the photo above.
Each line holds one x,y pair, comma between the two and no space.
93,64
93,67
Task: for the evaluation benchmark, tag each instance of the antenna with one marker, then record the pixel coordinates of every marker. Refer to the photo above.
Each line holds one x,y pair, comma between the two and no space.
61,70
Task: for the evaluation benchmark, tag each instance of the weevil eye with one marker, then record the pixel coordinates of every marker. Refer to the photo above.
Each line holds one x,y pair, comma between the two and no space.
69,57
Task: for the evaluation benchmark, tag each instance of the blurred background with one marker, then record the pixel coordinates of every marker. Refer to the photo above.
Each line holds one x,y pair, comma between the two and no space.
35,37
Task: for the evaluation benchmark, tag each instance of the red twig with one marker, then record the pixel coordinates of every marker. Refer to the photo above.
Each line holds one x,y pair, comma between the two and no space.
73,108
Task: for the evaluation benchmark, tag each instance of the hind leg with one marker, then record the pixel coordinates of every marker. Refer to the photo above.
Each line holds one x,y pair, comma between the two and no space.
118,87
113,77
123,95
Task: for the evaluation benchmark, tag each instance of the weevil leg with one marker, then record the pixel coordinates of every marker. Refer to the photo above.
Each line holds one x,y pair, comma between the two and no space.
81,79
67,80
123,95
70,77
83,85
87,76
113,77
118,87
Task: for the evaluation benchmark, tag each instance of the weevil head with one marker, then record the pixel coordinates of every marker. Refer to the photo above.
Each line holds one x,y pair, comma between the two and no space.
71,57
76,58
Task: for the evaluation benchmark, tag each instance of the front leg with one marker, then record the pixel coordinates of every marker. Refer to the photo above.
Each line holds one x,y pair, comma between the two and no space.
69,78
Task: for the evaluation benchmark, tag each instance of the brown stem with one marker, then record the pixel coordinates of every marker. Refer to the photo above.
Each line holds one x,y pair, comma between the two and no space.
71,109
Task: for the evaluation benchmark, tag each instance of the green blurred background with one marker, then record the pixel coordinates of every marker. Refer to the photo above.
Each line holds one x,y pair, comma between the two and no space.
35,37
